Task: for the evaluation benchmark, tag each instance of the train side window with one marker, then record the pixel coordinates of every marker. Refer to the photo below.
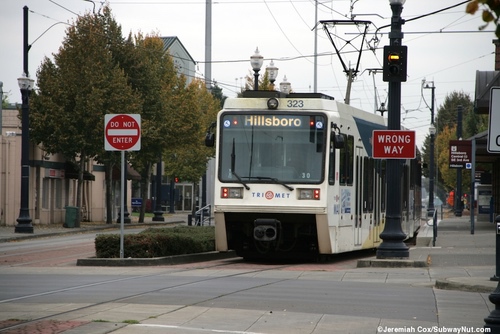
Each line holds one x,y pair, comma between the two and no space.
368,188
406,187
383,179
347,161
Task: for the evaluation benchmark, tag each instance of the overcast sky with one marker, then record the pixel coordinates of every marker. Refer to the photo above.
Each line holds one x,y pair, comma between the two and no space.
445,48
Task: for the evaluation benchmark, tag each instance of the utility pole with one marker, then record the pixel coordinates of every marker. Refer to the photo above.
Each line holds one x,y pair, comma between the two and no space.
458,193
392,236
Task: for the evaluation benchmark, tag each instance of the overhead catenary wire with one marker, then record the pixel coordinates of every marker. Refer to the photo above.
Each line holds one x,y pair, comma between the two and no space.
286,58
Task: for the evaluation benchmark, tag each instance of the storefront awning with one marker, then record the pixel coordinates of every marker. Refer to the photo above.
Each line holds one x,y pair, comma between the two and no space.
71,172
132,174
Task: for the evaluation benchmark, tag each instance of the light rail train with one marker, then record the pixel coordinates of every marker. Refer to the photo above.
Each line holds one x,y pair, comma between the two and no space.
295,177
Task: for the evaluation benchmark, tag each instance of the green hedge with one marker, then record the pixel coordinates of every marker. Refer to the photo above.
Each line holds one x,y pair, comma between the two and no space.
157,242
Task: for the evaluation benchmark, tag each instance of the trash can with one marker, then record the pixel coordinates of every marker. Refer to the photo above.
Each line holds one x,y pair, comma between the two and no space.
70,219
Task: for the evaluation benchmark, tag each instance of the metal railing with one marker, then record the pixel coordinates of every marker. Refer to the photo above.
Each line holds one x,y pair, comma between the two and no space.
203,216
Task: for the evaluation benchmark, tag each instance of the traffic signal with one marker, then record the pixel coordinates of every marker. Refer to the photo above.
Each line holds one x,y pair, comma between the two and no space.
176,179
395,63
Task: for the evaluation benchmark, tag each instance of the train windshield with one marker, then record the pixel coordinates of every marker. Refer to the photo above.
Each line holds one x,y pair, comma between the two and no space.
278,148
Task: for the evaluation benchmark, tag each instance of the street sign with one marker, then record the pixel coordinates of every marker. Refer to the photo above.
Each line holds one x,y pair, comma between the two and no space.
122,132
393,144
493,128
460,154
136,201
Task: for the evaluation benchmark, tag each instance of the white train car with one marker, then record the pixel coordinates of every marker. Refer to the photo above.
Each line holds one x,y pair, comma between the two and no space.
295,178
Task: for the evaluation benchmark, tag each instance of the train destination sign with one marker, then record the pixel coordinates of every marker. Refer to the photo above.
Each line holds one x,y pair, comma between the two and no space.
393,144
122,132
460,153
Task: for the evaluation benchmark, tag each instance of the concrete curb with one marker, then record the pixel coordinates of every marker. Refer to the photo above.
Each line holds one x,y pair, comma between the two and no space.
469,284
391,263
157,261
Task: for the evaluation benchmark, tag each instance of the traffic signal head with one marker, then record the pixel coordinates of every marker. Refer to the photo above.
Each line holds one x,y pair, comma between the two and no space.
394,63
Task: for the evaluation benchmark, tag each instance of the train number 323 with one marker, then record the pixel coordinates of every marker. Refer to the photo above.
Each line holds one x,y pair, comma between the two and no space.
295,103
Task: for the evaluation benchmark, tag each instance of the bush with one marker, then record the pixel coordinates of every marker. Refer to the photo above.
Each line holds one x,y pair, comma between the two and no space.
157,242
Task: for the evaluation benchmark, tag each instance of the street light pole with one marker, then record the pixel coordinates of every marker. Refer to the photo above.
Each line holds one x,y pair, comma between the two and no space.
458,193
26,85
158,210
256,61
24,220
430,208
273,73
432,131
392,236
285,86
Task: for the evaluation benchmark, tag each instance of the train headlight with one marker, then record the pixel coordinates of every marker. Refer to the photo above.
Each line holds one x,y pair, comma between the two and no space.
231,192
272,103
313,194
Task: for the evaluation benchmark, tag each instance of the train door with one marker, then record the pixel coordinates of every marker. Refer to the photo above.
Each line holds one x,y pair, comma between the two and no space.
405,199
358,210
378,189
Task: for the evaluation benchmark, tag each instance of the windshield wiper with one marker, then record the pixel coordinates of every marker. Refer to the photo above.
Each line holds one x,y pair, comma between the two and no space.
233,163
275,180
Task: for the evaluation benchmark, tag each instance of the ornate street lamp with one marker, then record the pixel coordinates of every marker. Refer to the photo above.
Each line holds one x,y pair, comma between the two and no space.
273,73
432,132
256,61
24,221
430,208
158,209
392,236
285,86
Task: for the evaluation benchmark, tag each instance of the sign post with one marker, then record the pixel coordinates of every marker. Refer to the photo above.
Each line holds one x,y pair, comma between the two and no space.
122,132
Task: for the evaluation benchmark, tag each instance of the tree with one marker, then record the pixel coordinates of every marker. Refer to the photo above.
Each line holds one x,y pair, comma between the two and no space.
76,90
446,121
217,94
447,112
449,175
188,160
490,13
152,74
264,83
5,100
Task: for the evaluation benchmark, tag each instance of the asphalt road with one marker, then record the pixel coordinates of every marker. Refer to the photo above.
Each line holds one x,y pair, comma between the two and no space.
75,292
40,285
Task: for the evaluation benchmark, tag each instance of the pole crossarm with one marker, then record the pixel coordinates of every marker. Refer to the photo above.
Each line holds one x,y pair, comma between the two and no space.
330,25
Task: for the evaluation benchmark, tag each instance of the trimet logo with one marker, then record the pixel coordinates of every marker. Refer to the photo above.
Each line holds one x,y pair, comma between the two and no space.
270,195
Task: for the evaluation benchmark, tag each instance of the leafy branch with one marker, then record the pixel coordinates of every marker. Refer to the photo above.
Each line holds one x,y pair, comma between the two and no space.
490,12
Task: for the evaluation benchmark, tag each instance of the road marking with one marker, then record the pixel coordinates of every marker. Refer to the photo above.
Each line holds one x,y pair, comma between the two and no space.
195,329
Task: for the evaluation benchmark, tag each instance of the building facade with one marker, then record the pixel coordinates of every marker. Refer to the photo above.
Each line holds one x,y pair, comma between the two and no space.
53,180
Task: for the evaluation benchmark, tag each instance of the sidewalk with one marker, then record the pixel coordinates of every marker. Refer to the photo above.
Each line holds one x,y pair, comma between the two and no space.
464,255
7,233
460,248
